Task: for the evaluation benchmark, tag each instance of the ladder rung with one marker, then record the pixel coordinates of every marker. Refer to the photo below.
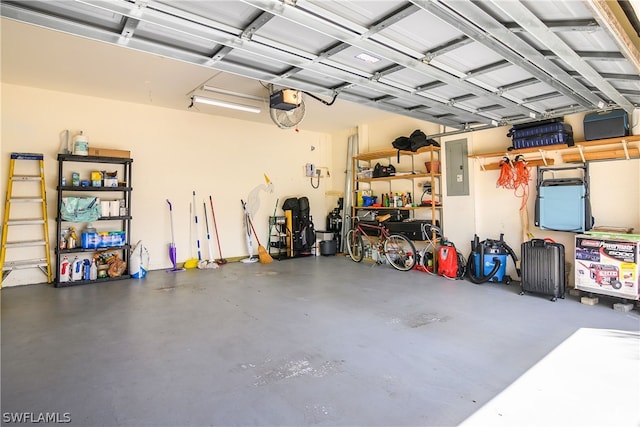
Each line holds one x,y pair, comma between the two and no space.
27,156
27,263
24,243
25,199
25,221
26,177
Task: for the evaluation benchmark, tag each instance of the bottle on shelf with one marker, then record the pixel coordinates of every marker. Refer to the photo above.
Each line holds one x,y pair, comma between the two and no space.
76,269
64,272
86,269
93,270
72,238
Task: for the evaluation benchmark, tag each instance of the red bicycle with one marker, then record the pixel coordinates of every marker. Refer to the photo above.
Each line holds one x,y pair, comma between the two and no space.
398,250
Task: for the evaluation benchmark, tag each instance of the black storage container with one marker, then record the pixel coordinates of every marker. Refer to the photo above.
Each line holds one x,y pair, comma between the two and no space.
328,247
606,124
417,229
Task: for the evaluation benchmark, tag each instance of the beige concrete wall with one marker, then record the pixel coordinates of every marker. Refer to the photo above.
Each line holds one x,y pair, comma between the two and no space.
175,153
489,211
615,198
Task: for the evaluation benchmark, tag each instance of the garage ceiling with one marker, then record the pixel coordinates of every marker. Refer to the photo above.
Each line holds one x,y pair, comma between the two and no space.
457,63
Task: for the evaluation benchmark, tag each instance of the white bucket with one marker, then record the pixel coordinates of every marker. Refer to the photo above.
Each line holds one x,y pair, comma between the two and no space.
139,261
81,145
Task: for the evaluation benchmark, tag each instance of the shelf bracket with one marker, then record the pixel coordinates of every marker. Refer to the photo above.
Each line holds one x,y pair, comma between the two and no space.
543,157
581,150
625,148
481,161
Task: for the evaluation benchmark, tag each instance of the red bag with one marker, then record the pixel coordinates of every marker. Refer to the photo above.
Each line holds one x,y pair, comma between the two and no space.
447,261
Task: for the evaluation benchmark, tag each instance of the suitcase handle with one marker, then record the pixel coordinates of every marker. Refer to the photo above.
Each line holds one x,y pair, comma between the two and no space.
538,242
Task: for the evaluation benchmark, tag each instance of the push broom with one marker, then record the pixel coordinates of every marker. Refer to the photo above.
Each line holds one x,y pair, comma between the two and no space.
212,262
215,227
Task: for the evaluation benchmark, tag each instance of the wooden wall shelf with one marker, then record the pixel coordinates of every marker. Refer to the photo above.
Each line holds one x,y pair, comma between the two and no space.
538,162
372,155
615,148
403,176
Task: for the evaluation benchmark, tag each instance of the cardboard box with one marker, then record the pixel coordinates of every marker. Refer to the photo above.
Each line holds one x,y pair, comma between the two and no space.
109,152
608,264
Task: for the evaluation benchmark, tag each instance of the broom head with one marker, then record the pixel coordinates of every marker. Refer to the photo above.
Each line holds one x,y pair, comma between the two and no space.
263,255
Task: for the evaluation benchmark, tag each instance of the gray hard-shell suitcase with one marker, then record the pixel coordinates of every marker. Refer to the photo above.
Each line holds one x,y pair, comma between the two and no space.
542,268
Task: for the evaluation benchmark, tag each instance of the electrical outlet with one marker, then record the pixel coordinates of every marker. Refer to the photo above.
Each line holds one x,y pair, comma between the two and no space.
310,169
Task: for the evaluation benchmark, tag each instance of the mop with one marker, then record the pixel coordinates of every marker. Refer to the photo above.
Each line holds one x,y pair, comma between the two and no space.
247,227
172,245
263,254
192,262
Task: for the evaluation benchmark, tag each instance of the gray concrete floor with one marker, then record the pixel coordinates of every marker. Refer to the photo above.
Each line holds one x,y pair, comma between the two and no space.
310,341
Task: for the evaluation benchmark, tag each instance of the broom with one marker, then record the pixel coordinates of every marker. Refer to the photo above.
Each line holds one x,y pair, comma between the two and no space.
263,255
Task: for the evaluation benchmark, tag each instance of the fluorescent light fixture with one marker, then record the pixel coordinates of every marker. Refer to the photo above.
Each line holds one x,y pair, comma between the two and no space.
224,104
367,58
213,89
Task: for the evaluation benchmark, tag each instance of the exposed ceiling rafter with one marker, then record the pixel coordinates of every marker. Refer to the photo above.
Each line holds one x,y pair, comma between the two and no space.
535,27
448,61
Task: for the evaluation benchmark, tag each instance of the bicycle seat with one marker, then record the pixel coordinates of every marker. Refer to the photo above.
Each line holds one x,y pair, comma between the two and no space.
383,218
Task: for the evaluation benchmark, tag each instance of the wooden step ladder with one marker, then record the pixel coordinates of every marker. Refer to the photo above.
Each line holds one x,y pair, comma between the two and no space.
23,224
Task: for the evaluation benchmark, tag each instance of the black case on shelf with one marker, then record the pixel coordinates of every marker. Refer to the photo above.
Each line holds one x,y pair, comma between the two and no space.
417,229
606,124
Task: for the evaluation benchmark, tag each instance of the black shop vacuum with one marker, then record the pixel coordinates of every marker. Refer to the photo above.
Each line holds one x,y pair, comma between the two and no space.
487,261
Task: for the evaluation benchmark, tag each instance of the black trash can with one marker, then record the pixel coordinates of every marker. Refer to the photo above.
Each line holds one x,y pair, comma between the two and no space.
328,247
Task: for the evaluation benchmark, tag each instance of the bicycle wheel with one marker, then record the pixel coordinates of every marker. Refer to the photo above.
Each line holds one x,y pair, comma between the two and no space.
355,246
400,252
427,257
